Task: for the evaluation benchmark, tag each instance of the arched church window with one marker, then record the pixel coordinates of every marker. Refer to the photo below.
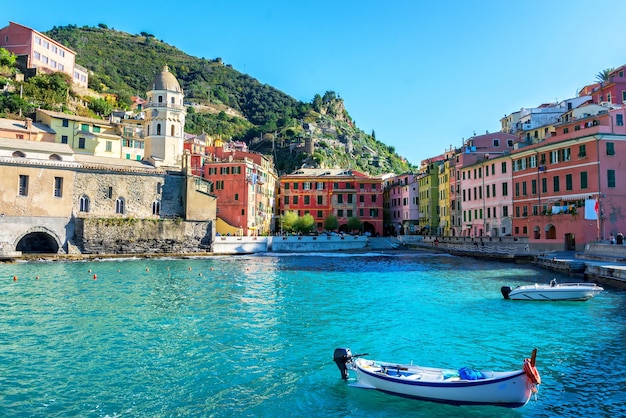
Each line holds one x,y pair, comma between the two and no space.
119,205
83,204
158,129
156,207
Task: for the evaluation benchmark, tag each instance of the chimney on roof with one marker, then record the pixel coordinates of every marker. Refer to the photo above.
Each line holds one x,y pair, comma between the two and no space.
28,124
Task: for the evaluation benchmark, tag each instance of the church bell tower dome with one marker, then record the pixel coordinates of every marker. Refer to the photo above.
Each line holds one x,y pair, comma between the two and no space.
166,81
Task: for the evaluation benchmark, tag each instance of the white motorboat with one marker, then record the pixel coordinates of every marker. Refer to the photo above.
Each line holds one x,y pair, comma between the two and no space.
552,291
464,386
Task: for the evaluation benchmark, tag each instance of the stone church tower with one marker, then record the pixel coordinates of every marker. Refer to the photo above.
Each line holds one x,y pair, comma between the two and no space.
165,121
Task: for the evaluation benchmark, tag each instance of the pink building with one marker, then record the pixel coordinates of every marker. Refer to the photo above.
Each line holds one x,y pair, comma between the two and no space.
42,53
401,205
484,172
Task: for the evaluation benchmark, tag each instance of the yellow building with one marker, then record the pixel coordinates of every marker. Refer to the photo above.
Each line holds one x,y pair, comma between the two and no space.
84,135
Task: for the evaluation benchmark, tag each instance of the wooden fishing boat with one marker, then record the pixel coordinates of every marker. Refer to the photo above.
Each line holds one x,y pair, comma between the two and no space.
464,386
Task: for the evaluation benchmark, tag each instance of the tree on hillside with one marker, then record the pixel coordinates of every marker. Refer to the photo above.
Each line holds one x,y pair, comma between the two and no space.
603,76
7,58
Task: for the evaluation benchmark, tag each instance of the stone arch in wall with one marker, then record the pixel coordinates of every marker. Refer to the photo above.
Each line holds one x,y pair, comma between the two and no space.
38,240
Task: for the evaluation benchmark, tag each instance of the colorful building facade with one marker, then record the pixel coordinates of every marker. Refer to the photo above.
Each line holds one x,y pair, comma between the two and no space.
344,194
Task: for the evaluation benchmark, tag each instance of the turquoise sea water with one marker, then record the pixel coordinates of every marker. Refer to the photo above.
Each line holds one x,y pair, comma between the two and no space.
254,336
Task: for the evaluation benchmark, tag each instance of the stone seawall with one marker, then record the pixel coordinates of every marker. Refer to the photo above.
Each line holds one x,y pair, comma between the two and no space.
302,244
142,236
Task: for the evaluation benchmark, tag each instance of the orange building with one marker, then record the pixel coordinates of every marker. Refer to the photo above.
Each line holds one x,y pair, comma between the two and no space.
342,193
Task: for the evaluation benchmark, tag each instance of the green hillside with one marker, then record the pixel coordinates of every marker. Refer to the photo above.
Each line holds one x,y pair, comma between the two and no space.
222,102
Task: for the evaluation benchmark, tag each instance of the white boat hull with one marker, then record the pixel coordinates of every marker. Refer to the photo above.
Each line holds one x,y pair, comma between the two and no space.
560,292
509,389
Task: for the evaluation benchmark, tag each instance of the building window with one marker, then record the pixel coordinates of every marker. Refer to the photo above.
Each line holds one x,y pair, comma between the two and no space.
505,212
320,214
505,189
119,205
319,200
158,129
610,178
156,207
81,143
373,198
23,186
96,129
555,183
568,182
58,186
610,148
339,198
286,200
533,187
583,180
83,204
84,127
295,200
109,146
503,167
619,119
582,151
340,213
64,139
307,200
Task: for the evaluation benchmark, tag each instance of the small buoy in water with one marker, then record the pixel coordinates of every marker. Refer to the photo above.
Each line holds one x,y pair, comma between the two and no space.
14,278
189,268
89,271
147,269
200,274
95,276
211,268
36,277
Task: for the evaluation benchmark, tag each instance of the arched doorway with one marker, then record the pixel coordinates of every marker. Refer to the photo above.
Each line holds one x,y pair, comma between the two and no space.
550,231
368,227
38,242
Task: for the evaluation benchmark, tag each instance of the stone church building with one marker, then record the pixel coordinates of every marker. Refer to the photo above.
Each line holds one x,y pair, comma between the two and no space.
62,200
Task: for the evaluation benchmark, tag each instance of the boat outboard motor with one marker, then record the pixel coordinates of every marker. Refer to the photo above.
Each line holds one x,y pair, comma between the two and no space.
505,291
342,356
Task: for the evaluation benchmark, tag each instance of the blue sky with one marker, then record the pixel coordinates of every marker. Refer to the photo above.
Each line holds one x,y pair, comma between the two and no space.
423,76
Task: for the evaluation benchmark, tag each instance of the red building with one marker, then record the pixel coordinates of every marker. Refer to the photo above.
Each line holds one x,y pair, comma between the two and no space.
343,193
566,189
612,91
245,185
